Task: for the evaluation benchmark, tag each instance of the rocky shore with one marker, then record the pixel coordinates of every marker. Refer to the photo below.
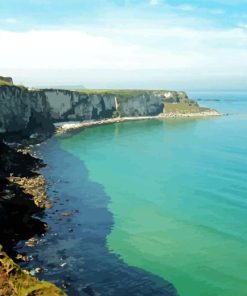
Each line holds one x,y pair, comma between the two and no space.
17,282
22,194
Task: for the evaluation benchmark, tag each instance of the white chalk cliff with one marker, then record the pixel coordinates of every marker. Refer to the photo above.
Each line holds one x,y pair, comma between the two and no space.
35,110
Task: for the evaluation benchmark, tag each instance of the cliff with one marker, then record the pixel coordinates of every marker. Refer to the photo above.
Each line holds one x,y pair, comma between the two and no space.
24,111
27,112
102,104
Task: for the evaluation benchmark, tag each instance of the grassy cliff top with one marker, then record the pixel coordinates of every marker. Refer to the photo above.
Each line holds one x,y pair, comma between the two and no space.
125,94
119,92
4,82
184,107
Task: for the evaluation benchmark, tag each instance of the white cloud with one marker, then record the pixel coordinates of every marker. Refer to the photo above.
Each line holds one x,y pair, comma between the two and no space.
154,2
155,52
68,49
242,26
186,7
11,21
193,9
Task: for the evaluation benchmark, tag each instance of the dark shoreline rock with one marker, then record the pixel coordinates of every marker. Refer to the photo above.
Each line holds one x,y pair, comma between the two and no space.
18,204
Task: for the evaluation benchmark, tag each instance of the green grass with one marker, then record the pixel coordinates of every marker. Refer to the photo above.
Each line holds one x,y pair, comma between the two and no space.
122,94
3,82
184,107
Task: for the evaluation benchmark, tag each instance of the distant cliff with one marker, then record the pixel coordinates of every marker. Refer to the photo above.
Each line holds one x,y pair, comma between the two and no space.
98,104
34,111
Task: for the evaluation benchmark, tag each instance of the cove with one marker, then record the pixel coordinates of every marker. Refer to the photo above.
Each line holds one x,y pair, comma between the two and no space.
177,193
73,254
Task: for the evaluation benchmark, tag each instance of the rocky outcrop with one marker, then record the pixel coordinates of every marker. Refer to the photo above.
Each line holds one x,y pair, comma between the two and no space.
20,198
16,204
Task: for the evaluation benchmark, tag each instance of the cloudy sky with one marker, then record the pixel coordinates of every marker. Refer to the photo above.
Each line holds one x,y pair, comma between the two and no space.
169,44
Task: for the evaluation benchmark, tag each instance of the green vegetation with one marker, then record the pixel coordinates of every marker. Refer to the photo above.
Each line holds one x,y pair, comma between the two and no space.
188,106
6,80
3,82
19,86
121,94
117,92
16,282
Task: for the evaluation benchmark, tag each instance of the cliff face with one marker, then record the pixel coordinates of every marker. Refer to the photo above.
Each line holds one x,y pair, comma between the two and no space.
69,105
23,111
33,111
144,104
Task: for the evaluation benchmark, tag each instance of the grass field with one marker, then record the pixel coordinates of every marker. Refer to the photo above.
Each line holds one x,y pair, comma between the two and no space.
183,107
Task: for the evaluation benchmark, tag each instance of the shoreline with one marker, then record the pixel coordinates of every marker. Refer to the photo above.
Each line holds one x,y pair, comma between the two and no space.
23,192
68,126
73,202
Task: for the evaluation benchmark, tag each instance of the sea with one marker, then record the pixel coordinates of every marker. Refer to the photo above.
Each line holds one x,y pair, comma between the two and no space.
152,207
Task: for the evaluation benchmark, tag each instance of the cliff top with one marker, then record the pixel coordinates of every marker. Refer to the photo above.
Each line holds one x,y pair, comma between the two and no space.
125,94
120,93
6,80
133,92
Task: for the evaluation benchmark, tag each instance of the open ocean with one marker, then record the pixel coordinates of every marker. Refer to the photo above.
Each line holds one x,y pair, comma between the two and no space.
159,207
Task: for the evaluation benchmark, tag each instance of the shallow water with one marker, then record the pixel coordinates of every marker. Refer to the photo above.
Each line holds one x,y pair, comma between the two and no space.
162,205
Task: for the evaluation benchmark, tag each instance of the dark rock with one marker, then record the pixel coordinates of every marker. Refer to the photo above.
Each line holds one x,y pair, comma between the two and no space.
16,206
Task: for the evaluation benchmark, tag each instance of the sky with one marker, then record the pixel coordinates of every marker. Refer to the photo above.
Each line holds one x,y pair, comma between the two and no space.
155,44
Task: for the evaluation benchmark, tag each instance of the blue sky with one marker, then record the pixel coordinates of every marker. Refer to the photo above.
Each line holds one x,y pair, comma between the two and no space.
125,43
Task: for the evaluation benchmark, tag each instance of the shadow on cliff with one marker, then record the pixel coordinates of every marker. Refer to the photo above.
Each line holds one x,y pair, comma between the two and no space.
74,254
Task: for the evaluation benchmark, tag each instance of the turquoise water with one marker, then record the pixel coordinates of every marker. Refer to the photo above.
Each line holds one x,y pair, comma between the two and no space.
178,195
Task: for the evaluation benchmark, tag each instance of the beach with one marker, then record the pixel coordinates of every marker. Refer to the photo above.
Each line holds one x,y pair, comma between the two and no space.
62,127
